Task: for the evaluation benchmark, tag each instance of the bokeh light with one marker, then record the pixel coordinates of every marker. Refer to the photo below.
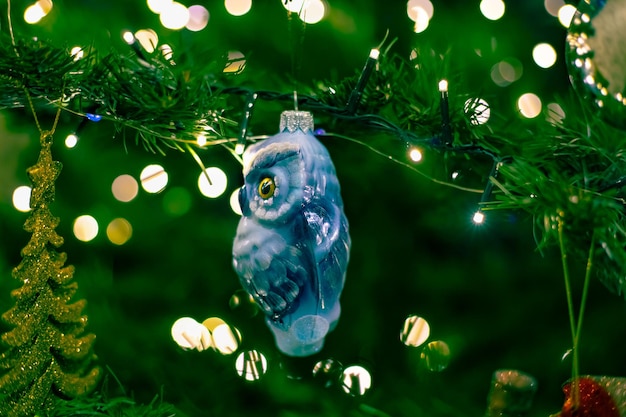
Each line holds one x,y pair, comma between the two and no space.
177,201
71,140
212,182
34,13
294,6
313,12
356,380
198,18
148,39
119,231
507,71
243,303
436,356
77,52
189,334
124,188
478,111
529,105
415,331
212,322
236,62
175,16
234,201
556,114
21,198
238,7
166,51
328,371
226,339
492,9
421,20
553,6
425,5
153,178
85,228
566,13
251,365
544,55
157,6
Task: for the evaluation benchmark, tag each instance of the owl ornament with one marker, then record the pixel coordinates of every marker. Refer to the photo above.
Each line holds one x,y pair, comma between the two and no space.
292,245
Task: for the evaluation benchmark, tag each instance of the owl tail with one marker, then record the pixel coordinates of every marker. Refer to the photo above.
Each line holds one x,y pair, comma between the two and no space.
304,337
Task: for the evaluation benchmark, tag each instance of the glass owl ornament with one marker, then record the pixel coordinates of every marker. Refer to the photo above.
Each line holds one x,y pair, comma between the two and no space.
292,244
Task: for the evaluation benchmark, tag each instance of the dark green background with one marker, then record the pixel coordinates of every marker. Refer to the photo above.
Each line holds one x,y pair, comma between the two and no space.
486,291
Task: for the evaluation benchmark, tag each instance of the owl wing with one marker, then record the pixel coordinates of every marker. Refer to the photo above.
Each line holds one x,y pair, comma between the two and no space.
270,268
327,227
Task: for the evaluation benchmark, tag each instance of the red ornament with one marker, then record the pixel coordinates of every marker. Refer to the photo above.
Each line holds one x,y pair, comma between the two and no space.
594,400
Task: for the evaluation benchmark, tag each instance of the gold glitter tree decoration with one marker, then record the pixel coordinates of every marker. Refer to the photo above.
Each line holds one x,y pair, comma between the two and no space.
48,355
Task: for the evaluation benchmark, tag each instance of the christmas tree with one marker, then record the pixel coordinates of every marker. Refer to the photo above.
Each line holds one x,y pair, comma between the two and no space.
48,353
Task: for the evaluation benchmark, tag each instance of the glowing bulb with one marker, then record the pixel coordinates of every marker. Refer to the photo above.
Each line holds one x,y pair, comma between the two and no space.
238,7
119,231
153,178
124,188
85,228
128,37
198,18
34,13
239,148
21,198
175,16
566,13
544,55
201,139
415,154
443,85
478,217
71,140
234,201
529,105
492,9
212,182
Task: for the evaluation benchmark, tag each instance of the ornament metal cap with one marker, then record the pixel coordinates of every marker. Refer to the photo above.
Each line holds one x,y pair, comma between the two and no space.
293,120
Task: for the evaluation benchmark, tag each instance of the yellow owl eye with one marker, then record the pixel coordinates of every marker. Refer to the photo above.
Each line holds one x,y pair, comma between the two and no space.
266,188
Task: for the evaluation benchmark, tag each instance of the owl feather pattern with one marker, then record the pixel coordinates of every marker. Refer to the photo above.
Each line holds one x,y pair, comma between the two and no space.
292,244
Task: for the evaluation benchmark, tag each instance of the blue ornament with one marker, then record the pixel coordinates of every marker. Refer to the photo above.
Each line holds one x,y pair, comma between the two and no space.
292,245
93,117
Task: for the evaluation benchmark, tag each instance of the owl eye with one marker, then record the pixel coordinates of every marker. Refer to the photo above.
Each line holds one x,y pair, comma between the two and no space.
266,188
